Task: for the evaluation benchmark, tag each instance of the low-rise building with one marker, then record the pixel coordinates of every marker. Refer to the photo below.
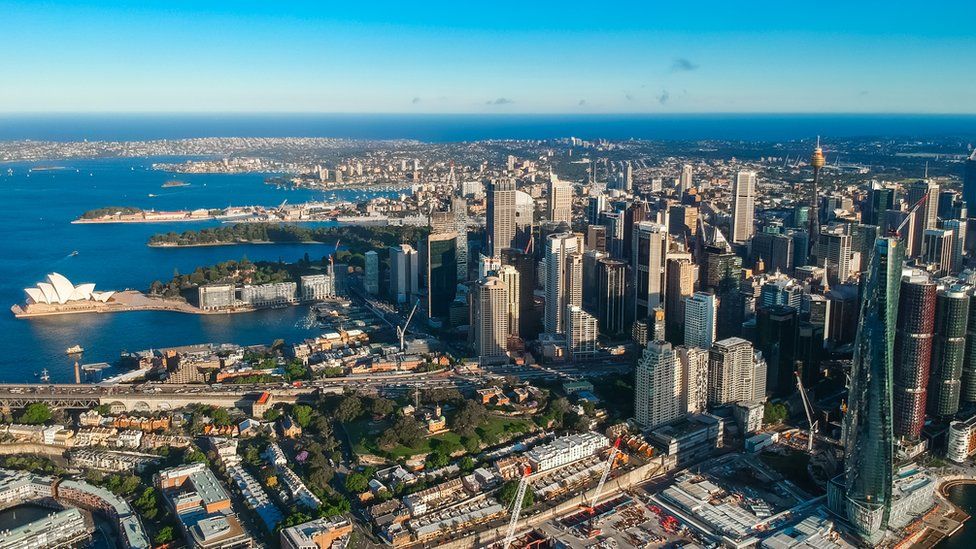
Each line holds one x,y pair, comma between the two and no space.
565,450
321,533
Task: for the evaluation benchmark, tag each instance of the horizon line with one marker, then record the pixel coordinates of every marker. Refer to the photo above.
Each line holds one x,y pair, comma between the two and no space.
486,114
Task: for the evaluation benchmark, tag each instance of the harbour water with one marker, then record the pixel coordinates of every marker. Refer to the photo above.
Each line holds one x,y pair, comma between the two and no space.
963,495
35,214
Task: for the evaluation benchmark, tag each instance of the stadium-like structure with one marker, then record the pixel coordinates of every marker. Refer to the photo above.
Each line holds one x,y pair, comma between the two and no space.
58,290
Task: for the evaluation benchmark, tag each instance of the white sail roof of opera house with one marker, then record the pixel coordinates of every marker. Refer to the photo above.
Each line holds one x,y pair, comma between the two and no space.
56,289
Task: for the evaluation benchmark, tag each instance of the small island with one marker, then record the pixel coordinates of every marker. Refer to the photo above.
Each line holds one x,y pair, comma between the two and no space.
175,183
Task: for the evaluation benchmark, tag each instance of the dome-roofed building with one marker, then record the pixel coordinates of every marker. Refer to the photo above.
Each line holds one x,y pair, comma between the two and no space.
58,290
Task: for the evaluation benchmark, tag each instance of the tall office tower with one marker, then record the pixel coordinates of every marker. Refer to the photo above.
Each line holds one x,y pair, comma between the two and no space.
628,176
658,386
937,250
683,220
775,250
694,378
948,353
913,353
968,382
836,246
371,277
441,276
655,326
731,308
969,182
680,277
701,314
525,264
563,280
685,180
560,200
500,217
404,273
440,222
720,263
952,206
490,320
459,207
614,223
632,215
926,216
611,299
582,330
591,259
595,206
649,253
510,276
524,220
735,373
776,338
817,162
862,239
958,228
596,238
869,430
743,206
880,199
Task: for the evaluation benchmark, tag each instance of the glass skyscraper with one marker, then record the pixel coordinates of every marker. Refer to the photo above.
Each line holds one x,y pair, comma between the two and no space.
868,433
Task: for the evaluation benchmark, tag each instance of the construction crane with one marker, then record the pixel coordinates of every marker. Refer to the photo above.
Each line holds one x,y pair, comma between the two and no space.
517,507
402,332
591,506
897,232
808,409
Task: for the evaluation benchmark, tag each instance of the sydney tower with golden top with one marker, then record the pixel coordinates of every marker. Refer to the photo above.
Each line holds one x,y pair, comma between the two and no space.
817,161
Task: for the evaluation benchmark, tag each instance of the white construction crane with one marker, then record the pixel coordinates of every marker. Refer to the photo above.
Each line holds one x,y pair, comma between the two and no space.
606,473
517,507
809,410
402,332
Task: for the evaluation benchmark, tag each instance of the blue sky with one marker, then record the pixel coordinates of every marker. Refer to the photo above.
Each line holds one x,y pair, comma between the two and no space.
488,57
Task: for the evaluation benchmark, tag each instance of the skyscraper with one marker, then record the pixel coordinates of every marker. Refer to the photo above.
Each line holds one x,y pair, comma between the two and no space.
701,312
913,353
817,162
596,238
564,278
525,264
441,275
835,244
649,253
560,200
743,206
937,250
611,301
371,276
581,332
969,182
968,383
680,278
926,216
685,180
459,207
694,378
869,430
500,216
404,270
776,333
510,276
657,386
735,372
595,206
491,320
948,352
880,198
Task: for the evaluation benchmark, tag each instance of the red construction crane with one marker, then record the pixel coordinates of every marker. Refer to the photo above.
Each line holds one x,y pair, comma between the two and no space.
517,507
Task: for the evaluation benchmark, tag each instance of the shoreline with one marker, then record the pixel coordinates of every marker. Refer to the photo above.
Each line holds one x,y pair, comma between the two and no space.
235,243
126,302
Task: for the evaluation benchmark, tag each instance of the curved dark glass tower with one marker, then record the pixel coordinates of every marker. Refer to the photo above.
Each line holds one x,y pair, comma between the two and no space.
868,433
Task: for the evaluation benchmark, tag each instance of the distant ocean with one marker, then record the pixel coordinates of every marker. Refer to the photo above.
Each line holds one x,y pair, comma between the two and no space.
471,127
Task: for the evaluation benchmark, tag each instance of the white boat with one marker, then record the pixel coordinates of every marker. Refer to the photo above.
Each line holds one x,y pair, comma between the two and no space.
75,350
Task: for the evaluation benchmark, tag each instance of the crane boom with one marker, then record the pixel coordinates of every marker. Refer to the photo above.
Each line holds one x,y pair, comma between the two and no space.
606,473
808,409
516,508
910,213
402,332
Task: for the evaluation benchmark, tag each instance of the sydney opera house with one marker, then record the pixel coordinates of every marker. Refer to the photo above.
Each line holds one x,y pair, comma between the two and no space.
58,290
